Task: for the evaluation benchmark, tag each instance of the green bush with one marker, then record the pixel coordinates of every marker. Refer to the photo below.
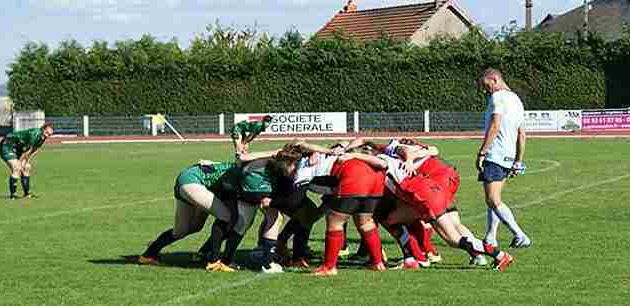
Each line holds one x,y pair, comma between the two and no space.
237,71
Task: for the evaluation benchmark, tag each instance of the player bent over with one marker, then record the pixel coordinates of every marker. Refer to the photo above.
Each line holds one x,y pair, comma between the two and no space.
18,148
244,132
428,199
195,201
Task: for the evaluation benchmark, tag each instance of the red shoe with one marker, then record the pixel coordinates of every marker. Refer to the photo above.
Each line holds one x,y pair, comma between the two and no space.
380,267
411,264
501,264
324,271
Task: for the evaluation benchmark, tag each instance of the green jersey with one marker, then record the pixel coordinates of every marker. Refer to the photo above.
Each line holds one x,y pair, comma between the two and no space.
246,129
26,139
205,175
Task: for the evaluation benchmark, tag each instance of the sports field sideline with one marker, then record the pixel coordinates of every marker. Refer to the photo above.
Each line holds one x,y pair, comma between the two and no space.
100,204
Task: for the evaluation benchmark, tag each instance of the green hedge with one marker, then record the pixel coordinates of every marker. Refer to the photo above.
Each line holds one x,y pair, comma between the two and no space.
225,71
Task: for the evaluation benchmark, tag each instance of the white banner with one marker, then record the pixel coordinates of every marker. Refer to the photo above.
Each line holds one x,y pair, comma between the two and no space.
553,121
300,123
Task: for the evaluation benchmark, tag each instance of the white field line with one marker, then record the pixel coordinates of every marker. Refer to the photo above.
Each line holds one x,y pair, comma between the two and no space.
245,282
79,211
558,194
226,139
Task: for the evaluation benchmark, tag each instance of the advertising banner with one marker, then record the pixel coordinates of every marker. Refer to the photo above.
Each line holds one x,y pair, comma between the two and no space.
300,123
606,120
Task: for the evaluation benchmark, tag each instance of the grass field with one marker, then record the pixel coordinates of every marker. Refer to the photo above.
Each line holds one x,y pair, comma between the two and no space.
101,203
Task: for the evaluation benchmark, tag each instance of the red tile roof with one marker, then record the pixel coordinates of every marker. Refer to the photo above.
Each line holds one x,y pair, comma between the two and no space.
399,22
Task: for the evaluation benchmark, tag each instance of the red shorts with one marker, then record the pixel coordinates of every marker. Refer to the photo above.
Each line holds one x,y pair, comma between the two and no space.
441,173
428,197
358,179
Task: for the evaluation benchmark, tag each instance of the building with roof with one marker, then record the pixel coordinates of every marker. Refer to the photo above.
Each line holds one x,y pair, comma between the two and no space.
416,23
605,17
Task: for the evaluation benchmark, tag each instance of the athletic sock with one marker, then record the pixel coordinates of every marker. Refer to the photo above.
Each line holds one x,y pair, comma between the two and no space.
162,241
474,247
505,214
408,243
332,246
212,247
26,184
288,231
345,236
373,245
300,242
231,246
423,235
13,185
492,226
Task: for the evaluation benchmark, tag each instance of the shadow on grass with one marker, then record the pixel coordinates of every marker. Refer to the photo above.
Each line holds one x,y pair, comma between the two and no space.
184,260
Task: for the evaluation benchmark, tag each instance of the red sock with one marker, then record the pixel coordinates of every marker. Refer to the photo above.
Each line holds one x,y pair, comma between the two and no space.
334,243
424,237
373,244
414,248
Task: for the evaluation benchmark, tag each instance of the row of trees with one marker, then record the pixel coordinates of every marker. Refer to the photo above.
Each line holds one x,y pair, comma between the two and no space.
229,70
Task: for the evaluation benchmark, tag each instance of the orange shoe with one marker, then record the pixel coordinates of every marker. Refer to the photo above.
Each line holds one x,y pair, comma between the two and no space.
148,261
501,264
324,271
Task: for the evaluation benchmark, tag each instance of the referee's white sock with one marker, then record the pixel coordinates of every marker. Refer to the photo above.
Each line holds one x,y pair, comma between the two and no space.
505,214
492,226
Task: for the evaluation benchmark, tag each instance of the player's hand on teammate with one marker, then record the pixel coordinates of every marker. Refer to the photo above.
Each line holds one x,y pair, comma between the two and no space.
265,202
408,168
345,157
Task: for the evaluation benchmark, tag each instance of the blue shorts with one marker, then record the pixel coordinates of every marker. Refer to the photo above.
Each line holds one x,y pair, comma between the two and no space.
493,173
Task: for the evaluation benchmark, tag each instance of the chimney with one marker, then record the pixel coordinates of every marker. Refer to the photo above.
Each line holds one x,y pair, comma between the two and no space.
529,4
439,3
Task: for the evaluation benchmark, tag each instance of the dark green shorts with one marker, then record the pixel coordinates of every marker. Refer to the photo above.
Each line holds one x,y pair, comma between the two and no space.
9,152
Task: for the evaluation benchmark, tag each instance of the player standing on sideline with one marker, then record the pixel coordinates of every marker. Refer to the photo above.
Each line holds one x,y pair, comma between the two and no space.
18,148
501,154
244,132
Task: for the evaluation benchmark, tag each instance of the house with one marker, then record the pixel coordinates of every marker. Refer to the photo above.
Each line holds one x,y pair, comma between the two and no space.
416,23
605,17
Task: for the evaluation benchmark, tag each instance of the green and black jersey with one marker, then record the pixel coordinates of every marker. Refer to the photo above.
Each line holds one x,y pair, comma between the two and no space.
16,143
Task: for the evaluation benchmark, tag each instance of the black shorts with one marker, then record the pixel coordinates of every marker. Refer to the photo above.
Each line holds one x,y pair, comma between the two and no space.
355,206
387,205
493,173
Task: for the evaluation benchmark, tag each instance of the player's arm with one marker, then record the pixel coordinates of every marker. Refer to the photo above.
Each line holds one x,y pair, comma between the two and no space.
246,157
520,145
312,147
411,153
355,143
372,160
488,139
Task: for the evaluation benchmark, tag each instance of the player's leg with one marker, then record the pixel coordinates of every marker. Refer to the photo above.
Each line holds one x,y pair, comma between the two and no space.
413,256
26,179
269,230
369,233
478,260
333,243
504,214
422,233
445,227
246,212
211,249
15,168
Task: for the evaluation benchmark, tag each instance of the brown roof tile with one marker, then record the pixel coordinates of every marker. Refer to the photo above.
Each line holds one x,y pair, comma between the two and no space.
399,22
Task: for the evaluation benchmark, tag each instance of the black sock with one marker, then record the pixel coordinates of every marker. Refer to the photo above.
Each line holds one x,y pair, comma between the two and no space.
288,231
13,185
162,241
26,185
212,247
300,242
231,245
475,247
345,236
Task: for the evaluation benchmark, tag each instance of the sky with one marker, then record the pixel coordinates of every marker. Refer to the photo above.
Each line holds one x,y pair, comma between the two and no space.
51,21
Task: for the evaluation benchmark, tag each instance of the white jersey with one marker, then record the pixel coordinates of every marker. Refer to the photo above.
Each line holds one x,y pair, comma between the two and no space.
510,107
306,172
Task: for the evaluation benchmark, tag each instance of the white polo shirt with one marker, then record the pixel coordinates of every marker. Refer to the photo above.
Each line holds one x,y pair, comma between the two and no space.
510,107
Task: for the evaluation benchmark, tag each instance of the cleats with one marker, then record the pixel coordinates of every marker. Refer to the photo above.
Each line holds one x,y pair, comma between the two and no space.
218,266
434,257
410,264
30,196
520,242
502,264
300,263
148,261
479,260
379,267
323,271
344,253
272,268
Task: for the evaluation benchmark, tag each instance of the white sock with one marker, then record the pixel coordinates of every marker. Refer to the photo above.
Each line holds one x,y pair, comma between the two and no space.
505,214
492,226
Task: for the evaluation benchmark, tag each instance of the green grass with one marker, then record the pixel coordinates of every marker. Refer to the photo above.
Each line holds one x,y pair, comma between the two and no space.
100,203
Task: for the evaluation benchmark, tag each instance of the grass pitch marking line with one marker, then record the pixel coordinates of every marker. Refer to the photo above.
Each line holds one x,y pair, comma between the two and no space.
79,211
245,282
559,194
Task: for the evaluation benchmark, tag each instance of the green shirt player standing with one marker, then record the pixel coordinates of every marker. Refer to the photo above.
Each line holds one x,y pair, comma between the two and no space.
244,132
18,148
